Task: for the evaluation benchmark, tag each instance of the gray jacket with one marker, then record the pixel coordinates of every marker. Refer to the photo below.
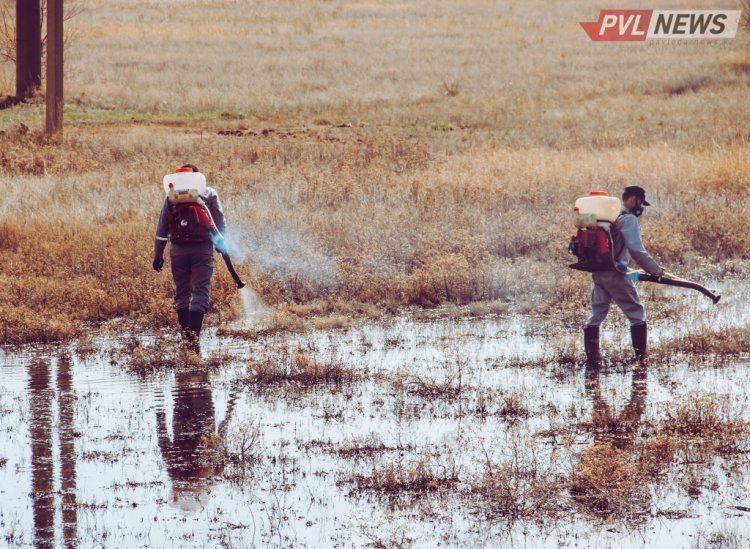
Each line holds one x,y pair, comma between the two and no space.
628,243
210,198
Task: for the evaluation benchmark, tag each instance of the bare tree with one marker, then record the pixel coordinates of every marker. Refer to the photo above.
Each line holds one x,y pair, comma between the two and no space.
7,31
8,43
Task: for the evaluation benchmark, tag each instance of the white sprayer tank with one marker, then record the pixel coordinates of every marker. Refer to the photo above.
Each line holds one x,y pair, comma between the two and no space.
597,207
185,179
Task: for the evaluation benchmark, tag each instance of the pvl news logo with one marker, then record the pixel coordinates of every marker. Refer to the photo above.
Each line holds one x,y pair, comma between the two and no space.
642,25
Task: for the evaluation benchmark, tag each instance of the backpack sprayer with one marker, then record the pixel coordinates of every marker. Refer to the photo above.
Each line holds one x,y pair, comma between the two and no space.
593,244
191,218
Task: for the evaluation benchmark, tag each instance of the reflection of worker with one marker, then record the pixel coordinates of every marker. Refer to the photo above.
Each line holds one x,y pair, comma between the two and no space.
193,455
614,285
623,426
191,255
604,482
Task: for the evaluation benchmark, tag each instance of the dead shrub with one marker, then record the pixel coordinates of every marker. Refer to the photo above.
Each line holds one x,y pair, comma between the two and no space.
442,278
242,450
518,488
450,387
607,482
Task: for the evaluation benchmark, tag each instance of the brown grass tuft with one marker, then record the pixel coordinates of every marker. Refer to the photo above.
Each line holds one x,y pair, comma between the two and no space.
297,367
709,424
608,482
405,478
706,344
518,489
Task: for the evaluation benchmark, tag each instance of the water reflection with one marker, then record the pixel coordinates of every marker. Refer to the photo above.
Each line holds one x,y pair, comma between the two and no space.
66,399
619,430
40,427
608,479
42,467
194,455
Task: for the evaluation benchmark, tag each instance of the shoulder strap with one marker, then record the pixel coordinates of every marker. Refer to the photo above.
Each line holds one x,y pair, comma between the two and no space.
617,242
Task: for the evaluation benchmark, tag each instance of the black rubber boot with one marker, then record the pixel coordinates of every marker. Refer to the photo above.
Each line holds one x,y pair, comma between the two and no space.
591,344
639,337
183,317
194,329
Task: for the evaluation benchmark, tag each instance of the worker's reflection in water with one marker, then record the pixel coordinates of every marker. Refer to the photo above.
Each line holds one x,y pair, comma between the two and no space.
621,429
195,453
606,480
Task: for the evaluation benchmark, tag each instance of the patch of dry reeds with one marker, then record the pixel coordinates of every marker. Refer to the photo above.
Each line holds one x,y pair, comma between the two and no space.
708,344
707,425
404,478
608,482
166,352
297,367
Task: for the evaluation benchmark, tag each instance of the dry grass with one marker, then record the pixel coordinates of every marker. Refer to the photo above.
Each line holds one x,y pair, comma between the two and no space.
614,479
707,425
297,367
727,342
166,352
367,448
608,482
453,182
410,478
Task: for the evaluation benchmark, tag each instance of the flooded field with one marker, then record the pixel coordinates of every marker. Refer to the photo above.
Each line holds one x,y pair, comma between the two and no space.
414,432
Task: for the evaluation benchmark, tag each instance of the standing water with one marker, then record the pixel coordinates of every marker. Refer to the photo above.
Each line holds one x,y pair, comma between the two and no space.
456,432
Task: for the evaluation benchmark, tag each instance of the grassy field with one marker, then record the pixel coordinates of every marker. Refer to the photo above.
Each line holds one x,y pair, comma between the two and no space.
369,156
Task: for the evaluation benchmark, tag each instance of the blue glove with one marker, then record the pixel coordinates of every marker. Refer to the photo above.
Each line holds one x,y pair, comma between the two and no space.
633,275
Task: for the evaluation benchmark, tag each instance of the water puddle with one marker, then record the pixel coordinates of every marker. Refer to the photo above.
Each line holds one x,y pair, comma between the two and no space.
480,432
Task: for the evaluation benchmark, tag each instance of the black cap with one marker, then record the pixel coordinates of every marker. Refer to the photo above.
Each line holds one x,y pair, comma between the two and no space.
635,190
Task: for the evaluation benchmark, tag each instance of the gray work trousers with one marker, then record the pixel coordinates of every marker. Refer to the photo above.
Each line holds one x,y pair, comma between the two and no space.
614,286
192,268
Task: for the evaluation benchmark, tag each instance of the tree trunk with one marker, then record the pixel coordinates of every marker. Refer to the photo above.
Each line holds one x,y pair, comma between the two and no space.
28,47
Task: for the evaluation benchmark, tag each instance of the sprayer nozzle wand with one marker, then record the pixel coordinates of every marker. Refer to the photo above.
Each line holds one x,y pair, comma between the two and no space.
240,284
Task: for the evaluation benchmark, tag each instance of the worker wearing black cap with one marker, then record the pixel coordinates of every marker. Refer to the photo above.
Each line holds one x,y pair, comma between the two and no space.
614,285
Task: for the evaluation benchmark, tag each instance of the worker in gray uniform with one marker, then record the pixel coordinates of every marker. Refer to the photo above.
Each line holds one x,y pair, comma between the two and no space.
192,259
614,285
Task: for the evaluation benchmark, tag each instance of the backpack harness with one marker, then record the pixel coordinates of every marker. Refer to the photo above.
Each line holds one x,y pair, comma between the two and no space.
594,247
188,218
